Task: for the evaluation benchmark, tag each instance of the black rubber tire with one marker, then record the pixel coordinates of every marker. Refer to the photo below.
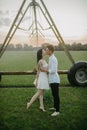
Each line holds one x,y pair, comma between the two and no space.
77,74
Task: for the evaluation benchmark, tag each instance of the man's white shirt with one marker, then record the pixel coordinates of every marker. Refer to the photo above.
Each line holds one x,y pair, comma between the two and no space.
52,68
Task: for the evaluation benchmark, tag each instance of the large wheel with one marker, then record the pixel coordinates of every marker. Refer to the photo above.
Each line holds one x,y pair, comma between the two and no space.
77,75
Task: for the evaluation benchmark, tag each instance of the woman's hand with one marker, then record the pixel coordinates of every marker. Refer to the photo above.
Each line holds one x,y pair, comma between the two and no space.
35,82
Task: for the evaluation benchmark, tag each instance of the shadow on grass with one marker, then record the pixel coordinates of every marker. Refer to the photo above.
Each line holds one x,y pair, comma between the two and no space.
28,86
16,86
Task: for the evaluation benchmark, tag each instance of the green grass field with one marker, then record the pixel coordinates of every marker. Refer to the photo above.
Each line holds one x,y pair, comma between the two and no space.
24,61
14,116
13,113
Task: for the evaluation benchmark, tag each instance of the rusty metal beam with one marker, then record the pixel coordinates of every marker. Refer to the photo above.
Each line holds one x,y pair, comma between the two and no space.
49,19
27,72
57,33
13,24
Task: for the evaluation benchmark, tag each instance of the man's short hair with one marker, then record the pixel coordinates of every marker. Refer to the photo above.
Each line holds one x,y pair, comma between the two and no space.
50,47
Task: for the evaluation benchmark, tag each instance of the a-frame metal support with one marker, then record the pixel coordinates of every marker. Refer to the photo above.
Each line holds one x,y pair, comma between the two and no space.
20,15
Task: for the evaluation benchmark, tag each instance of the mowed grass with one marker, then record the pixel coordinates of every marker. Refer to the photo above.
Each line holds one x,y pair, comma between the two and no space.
14,116
24,61
13,113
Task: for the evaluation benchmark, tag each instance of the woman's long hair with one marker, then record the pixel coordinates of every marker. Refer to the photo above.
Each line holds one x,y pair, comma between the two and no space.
39,55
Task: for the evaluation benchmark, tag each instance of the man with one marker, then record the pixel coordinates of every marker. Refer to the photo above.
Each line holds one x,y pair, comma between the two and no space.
54,79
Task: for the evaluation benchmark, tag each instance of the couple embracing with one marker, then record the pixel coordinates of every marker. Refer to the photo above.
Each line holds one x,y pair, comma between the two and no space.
47,76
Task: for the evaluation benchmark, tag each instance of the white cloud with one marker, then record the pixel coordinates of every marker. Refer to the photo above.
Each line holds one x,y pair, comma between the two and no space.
69,15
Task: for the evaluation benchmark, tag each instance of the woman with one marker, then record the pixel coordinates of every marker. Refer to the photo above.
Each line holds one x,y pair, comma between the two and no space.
41,80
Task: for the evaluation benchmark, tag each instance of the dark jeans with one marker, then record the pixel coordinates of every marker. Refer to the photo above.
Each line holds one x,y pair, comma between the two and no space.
55,93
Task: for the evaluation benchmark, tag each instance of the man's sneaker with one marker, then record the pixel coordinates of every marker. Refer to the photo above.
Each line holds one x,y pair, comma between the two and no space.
52,109
55,113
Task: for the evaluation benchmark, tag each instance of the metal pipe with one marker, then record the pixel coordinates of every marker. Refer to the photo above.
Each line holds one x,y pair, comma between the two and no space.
14,31
30,72
59,35
12,25
35,16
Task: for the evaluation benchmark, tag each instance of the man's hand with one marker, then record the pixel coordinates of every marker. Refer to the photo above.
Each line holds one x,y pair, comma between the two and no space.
44,70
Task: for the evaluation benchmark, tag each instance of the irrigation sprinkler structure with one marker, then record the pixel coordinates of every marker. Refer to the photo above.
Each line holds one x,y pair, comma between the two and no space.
77,74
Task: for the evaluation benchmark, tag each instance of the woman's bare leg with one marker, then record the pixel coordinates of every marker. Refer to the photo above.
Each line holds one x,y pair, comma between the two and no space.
41,101
37,94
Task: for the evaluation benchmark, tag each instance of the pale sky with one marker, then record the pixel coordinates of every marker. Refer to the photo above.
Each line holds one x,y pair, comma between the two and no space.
70,16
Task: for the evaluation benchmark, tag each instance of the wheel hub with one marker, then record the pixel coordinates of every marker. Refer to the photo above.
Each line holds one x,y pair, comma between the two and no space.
81,75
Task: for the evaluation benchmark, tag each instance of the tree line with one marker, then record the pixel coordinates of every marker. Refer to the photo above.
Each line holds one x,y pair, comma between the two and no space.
26,47
73,47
